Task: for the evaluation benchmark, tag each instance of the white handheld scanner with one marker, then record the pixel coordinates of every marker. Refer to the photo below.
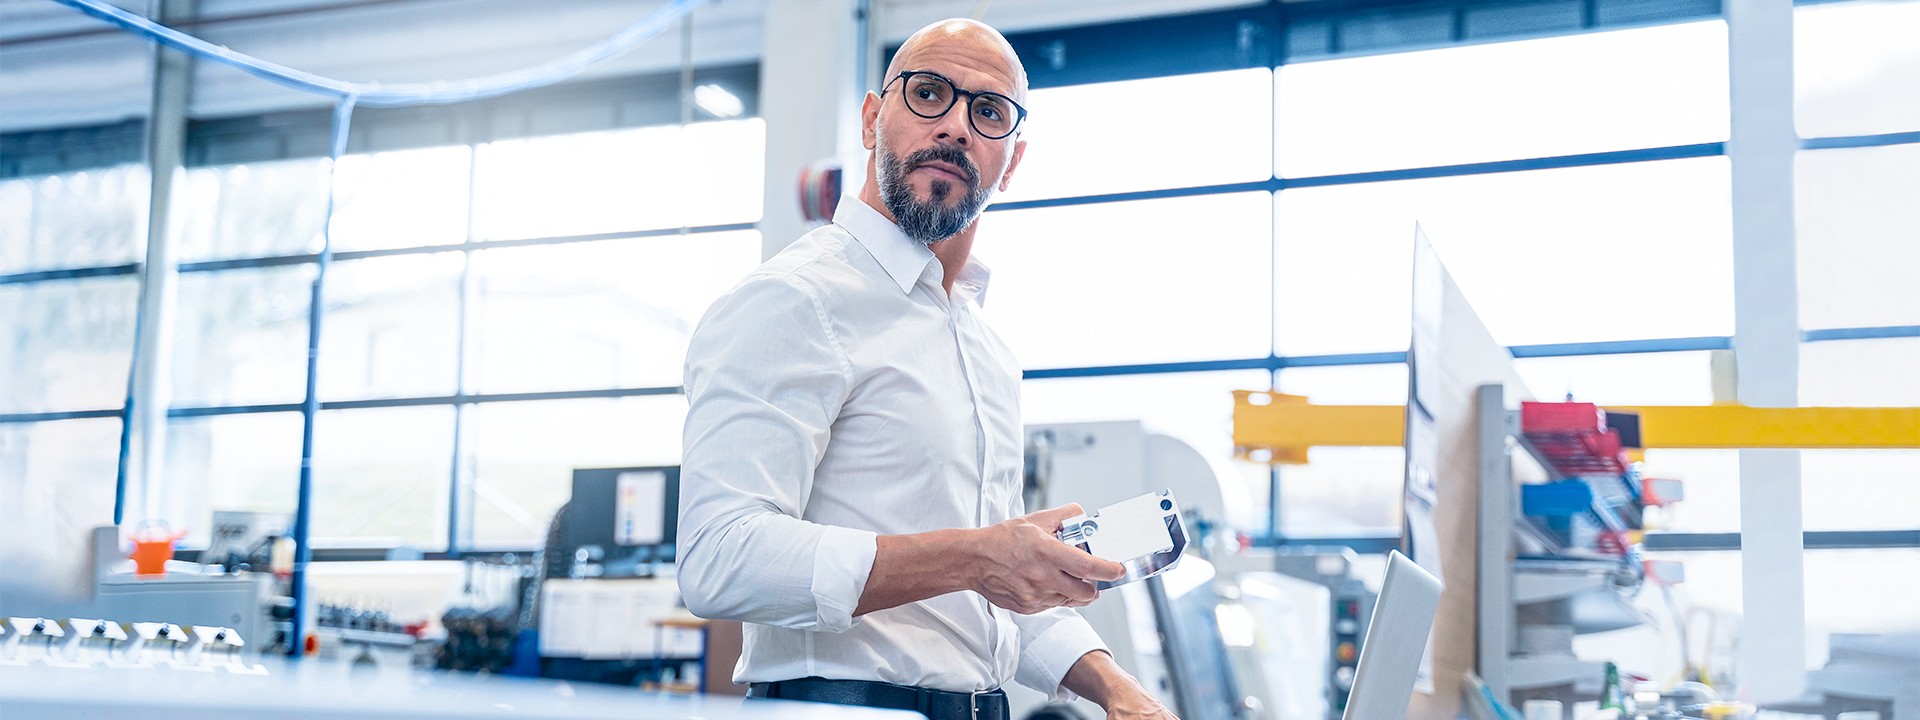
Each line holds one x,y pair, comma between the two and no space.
1144,534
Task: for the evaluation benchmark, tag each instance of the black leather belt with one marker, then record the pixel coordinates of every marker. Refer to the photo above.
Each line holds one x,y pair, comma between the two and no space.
935,704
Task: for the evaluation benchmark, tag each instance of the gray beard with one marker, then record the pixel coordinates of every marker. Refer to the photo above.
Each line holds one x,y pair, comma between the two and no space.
925,222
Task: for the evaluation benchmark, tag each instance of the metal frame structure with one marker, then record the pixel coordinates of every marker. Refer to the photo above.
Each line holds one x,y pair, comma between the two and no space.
1268,35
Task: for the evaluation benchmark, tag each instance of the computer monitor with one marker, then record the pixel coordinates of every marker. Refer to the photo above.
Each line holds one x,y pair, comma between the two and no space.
1396,642
626,512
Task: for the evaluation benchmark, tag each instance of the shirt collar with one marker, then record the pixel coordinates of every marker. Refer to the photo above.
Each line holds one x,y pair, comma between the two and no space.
905,260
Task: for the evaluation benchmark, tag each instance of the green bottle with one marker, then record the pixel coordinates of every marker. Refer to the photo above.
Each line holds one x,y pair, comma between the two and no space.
1610,689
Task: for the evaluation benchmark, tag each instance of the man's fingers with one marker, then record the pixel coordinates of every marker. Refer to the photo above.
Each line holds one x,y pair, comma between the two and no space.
1077,590
1051,518
1085,566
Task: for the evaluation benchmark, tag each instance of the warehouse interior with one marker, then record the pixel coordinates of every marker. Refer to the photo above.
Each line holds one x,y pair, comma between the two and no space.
343,344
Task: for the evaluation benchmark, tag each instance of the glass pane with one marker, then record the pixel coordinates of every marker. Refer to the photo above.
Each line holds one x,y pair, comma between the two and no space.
1855,66
1348,384
1591,92
1194,408
59,483
1344,491
242,336
79,219
1859,235
245,463
621,181
1671,378
16,224
392,327
252,210
602,314
1712,482
403,199
380,477
524,455
1146,134
1860,373
1859,591
68,467
1541,255
1860,489
67,345
1149,281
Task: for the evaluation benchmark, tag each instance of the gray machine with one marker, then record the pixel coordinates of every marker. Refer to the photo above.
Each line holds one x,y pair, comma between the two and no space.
1235,634
1349,608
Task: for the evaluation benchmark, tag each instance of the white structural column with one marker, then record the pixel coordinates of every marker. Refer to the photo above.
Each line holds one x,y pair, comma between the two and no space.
1767,343
146,498
810,101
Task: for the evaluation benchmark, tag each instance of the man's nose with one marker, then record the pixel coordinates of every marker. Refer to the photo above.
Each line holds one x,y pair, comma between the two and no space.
953,125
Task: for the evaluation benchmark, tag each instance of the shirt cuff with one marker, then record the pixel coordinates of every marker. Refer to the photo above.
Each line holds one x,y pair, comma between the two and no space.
841,564
1044,662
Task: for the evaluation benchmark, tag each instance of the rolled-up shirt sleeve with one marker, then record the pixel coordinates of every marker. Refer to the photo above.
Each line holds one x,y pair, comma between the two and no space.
1051,641
765,379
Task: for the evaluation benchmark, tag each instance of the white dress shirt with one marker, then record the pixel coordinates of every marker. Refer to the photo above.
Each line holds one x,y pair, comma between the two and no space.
838,393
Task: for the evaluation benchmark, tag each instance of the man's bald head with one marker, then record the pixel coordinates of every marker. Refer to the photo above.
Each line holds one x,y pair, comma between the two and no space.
932,170
968,38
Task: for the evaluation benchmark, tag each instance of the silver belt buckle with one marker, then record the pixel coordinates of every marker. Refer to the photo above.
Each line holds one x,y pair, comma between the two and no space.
973,705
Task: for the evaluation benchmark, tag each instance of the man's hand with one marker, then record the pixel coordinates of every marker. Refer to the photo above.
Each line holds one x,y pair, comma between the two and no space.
1022,566
1098,678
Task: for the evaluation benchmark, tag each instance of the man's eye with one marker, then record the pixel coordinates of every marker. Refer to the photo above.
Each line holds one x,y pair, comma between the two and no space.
990,112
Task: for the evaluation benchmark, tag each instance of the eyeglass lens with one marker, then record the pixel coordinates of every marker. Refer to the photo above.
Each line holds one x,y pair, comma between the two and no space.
930,96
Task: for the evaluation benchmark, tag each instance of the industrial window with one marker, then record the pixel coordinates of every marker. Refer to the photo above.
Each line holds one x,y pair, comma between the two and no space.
1344,491
78,219
1619,90
1607,252
1178,131
1860,489
1855,67
1116,283
423,306
523,455
1859,236
66,345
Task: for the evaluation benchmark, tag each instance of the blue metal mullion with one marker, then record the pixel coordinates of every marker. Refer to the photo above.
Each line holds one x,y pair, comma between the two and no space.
1611,157
70,274
1860,141
1266,363
1268,185
1811,540
1342,359
1618,347
1861,333
34,417
1277,184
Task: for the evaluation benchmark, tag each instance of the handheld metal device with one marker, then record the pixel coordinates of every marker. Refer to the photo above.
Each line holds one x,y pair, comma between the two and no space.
1143,533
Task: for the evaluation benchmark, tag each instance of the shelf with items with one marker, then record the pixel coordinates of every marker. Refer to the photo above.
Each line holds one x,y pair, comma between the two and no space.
1559,554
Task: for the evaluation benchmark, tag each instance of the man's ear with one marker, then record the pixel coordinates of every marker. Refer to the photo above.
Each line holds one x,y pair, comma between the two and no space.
869,115
1019,151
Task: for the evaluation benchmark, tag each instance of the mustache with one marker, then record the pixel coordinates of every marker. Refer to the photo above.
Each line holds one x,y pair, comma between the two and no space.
948,154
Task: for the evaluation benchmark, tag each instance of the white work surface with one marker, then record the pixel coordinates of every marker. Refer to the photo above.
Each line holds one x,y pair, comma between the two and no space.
312,689
614,619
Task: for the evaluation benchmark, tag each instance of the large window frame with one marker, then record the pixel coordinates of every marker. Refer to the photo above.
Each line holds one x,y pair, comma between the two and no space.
1266,36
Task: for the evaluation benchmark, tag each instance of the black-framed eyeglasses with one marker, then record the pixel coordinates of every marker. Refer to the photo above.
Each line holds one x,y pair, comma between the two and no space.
930,96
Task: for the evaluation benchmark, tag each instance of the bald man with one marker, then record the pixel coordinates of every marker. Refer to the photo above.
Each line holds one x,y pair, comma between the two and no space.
851,485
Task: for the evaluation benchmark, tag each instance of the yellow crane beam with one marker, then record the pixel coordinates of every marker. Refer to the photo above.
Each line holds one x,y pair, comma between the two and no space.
1284,426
